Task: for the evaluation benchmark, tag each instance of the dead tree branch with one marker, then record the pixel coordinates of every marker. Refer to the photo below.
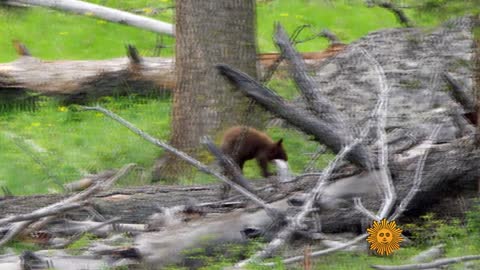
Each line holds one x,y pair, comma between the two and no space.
417,180
384,89
390,195
303,120
16,229
297,222
334,40
109,14
401,16
361,208
323,252
45,212
72,227
98,187
80,81
197,164
321,107
70,203
87,230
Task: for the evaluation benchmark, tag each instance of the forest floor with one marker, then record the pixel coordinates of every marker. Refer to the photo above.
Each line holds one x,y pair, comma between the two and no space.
48,145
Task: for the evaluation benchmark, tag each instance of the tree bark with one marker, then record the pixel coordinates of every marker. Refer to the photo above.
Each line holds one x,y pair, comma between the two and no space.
476,88
81,81
208,33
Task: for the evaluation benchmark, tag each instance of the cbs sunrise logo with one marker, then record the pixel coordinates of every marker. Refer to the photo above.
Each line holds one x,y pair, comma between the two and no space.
384,237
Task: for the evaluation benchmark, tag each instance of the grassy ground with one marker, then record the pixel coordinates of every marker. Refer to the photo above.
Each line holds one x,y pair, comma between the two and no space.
56,35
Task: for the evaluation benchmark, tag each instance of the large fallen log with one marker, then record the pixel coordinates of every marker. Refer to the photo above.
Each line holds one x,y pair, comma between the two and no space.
79,81
82,80
133,204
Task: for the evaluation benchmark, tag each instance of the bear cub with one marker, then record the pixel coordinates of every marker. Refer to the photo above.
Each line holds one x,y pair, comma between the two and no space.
243,143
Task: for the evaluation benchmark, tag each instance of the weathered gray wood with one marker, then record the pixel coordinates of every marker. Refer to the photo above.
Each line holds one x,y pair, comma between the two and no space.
401,16
322,131
133,205
136,204
50,260
77,81
163,248
450,172
460,93
319,105
83,80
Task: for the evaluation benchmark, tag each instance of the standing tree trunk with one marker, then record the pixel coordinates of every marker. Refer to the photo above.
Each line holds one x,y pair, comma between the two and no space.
476,87
208,32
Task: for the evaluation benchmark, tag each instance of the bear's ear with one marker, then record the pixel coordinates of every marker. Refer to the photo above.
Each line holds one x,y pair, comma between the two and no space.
280,142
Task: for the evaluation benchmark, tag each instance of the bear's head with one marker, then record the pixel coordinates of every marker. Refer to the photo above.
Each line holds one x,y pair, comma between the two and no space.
277,151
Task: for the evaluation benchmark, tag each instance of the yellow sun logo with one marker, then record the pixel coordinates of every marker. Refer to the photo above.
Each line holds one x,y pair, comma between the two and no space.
384,237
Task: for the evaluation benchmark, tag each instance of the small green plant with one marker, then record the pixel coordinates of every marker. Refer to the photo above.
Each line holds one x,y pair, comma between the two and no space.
425,231
450,232
19,246
473,220
431,231
77,247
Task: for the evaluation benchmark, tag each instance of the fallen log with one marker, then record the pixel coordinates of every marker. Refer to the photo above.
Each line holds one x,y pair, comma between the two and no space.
133,205
79,81
47,260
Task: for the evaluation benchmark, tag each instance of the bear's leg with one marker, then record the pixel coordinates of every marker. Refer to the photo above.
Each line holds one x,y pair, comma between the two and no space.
263,163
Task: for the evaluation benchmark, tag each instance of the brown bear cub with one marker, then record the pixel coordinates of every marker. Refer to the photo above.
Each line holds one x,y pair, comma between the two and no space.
243,143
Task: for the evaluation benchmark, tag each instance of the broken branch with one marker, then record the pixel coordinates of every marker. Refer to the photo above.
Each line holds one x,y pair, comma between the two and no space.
296,222
44,212
109,14
197,164
305,121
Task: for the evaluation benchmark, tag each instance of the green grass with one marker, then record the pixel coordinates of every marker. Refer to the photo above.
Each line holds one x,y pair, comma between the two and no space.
70,143
53,34
349,20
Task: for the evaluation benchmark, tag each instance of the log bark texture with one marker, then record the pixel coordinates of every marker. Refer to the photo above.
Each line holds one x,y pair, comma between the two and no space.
82,80
133,205
77,81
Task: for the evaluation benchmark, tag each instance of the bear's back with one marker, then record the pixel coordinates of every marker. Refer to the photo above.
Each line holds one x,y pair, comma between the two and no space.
247,141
